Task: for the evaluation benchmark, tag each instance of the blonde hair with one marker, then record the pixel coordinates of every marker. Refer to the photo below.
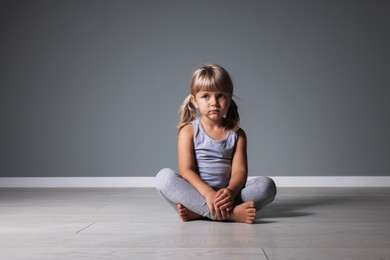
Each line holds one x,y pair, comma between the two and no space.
210,78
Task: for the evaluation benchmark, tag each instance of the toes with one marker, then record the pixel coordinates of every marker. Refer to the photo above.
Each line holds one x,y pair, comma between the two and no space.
183,212
251,210
250,221
251,204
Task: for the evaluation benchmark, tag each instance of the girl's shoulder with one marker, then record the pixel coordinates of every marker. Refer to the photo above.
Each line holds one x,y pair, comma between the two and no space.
187,131
240,130
241,133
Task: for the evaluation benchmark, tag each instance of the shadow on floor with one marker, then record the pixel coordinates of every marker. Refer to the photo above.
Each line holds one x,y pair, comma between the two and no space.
287,207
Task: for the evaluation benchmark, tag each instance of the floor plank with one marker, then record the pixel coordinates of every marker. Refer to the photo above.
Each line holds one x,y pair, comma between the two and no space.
302,223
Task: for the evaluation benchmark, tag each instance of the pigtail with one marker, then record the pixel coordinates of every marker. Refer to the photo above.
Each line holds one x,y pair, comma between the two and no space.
232,117
187,113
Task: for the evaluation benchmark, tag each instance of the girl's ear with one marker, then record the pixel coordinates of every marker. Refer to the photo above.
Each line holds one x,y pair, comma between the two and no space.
193,101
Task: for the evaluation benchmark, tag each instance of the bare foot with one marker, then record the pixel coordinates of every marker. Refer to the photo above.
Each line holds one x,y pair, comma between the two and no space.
186,214
244,213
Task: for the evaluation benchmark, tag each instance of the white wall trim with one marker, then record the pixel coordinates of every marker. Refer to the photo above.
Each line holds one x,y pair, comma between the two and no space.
128,182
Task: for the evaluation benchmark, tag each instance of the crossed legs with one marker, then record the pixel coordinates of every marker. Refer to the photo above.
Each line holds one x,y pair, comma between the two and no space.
190,204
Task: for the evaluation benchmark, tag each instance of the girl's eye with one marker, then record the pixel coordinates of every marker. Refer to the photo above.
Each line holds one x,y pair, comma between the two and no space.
221,96
205,96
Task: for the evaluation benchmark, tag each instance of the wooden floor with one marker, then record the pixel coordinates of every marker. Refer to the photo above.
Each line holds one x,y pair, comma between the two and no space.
136,223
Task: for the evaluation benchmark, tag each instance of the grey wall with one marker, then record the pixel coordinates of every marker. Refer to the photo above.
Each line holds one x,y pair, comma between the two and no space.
92,88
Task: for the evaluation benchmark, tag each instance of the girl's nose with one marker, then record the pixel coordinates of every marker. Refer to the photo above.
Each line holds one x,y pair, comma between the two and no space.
213,100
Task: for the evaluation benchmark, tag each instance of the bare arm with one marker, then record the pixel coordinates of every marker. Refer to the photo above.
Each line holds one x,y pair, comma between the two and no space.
186,160
239,165
239,174
186,163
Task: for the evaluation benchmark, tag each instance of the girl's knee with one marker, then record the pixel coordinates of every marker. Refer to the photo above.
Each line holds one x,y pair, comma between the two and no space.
163,178
272,187
267,193
268,185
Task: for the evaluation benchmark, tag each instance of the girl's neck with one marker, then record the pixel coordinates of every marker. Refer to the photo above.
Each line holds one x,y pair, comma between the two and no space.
211,124
214,130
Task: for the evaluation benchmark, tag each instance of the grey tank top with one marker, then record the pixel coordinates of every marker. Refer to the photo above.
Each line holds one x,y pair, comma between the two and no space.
213,158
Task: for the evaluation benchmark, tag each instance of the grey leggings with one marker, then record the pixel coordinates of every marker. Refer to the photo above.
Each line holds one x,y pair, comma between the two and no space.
175,189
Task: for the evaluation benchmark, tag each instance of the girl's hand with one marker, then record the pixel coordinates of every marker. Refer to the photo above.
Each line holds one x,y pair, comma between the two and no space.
225,202
210,199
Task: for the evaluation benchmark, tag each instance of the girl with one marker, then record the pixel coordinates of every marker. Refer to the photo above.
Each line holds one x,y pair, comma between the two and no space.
212,157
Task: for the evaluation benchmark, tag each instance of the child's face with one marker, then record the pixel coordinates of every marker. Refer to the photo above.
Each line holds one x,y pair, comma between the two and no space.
213,104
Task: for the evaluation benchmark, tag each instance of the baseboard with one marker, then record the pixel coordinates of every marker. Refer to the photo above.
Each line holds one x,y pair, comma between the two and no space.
141,182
